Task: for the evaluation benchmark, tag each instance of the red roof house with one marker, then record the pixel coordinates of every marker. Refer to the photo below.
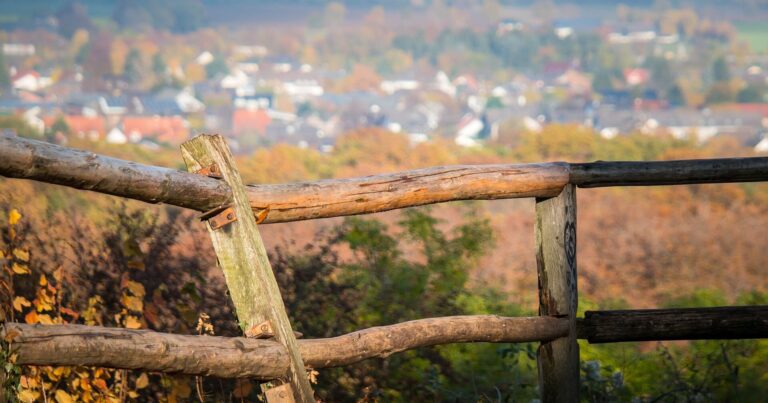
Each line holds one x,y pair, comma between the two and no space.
166,129
250,121
90,127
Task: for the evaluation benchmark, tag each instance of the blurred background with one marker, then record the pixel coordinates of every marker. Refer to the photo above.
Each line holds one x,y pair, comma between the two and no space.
307,90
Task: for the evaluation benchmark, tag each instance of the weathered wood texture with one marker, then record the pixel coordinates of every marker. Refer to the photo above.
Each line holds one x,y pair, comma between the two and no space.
45,162
243,258
253,358
370,194
70,345
650,173
383,341
558,360
740,322
30,159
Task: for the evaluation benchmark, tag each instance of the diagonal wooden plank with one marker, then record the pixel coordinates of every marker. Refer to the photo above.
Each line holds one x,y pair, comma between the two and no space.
243,258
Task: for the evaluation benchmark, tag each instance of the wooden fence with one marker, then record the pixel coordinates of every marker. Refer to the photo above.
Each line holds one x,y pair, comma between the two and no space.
269,349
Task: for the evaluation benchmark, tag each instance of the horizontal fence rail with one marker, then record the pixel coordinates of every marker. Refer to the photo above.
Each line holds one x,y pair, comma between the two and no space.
681,172
230,357
31,159
233,357
736,322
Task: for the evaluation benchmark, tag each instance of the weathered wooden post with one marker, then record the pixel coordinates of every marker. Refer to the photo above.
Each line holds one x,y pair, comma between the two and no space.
241,255
558,360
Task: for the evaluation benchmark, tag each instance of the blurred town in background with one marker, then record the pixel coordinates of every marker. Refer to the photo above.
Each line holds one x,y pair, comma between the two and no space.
473,72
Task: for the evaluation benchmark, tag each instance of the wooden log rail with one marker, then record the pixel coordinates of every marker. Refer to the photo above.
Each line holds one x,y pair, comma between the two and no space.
232,357
30,159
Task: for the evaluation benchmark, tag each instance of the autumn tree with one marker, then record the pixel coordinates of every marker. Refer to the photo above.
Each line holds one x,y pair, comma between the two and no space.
71,17
5,78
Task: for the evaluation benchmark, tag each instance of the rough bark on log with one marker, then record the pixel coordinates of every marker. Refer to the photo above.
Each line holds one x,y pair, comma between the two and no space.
260,359
738,322
31,159
71,345
680,172
45,162
383,341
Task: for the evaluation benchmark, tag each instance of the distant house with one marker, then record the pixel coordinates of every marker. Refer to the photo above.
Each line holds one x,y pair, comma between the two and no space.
575,81
116,136
235,79
762,145
84,127
246,120
164,129
303,88
636,76
114,105
508,25
249,98
469,131
204,58
18,49
29,81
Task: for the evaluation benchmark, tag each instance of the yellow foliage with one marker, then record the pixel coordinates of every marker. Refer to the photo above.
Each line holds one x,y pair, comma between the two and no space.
132,322
28,396
63,397
21,254
142,381
19,303
14,216
132,303
135,288
20,269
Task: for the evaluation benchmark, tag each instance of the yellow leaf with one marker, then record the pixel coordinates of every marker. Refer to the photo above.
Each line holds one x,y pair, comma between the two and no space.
181,388
131,322
58,274
10,335
31,318
21,269
21,254
133,303
142,381
14,216
20,303
28,396
133,394
28,383
100,384
63,397
136,288
43,280
44,319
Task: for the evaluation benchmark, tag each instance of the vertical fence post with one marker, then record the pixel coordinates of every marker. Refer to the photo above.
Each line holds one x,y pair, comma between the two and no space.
558,360
241,255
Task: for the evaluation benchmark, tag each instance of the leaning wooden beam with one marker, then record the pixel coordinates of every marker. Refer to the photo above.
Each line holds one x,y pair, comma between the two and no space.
231,357
241,255
681,172
31,159
739,322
